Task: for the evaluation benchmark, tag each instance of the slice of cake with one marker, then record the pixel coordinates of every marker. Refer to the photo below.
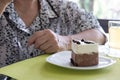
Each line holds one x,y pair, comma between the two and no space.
84,53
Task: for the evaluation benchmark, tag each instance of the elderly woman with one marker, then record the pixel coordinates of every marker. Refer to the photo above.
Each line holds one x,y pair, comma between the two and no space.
29,28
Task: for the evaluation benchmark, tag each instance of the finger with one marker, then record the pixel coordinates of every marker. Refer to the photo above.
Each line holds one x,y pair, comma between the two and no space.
34,37
40,41
45,45
51,49
47,37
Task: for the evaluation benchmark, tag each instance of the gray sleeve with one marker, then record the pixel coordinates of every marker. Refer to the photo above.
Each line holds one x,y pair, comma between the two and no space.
79,19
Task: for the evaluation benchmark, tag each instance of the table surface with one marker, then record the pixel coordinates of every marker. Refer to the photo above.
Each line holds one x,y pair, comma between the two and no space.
38,69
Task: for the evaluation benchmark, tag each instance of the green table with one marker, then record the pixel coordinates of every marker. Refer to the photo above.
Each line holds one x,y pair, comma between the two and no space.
38,69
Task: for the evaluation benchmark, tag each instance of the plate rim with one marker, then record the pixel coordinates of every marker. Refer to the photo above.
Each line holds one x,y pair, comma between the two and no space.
80,68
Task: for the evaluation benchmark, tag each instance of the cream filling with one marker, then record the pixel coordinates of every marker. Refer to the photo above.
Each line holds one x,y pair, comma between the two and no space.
85,48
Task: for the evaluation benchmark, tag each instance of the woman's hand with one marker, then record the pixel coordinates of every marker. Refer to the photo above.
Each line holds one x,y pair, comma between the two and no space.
49,41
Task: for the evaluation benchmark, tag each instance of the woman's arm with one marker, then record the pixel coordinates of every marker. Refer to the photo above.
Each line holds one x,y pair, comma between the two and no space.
92,34
3,4
50,42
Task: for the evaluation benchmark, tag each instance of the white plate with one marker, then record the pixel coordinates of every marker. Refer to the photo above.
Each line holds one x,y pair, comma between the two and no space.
62,59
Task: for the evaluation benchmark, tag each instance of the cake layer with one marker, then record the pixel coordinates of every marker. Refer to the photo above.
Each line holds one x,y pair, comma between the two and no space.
84,59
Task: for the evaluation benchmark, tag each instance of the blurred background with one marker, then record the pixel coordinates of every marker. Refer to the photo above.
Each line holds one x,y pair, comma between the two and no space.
102,9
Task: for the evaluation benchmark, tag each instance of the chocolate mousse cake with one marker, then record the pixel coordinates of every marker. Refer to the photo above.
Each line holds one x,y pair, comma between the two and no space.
84,53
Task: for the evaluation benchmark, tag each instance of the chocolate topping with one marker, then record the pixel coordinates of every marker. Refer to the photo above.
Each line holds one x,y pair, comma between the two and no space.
77,42
82,40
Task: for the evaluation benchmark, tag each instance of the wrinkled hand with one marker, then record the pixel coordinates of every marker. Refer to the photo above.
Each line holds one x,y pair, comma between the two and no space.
48,41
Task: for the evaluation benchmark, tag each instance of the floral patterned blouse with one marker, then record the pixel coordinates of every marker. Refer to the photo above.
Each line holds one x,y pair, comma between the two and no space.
63,17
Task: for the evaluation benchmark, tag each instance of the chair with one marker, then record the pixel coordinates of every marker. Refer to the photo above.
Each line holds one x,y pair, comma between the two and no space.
104,23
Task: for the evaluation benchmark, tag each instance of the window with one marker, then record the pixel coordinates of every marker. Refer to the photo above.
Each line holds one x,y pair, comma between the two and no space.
103,9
